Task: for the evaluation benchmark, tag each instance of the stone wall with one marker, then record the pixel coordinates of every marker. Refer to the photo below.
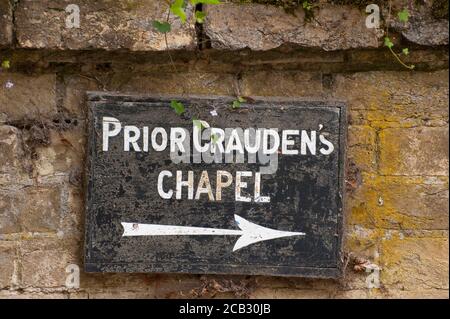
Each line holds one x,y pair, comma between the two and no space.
397,174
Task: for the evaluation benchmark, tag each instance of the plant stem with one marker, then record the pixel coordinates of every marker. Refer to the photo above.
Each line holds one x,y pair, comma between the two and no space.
400,61
167,44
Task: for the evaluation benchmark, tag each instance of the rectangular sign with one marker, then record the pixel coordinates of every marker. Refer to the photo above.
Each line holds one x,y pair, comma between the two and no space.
193,185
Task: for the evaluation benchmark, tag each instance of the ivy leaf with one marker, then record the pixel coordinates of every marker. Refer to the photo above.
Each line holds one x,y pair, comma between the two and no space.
237,103
200,124
200,16
6,64
177,8
177,106
162,27
405,51
306,5
197,123
388,42
403,15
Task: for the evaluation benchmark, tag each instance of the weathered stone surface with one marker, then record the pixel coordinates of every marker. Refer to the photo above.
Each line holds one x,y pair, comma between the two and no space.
104,24
9,214
7,258
175,83
427,32
414,151
13,161
275,83
64,154
44,262
411,263
400,203
32,295
75,94
6,25
422,27
40,209
72,220
418,294
287,293
261,27
147,285
395,99
120,294
361,141
29,97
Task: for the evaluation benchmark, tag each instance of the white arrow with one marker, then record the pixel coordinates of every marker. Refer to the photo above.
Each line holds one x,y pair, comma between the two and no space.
250,233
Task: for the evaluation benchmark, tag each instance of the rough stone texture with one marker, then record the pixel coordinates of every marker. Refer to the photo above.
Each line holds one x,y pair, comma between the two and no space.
41,212
30,96
32,295
286,293
273,83
104,24
414,151
395,99
423,27
12,162
65,154
6,26
9,212
75,93
44,262
400,202
411,263
361,141
7,258
194,83
261,27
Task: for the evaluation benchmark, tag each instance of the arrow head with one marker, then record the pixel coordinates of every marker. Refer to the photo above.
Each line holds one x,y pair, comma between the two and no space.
253,233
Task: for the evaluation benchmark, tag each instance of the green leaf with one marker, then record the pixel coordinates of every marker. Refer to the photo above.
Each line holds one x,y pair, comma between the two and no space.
177,106
177,8
405,51
237,103
403,15
388,42
306,5
162,27
198,124
6,64
200,16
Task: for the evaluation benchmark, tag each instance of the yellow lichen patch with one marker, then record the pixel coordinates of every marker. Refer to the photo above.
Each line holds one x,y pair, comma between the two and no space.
400,203
416,151
362,147
414,263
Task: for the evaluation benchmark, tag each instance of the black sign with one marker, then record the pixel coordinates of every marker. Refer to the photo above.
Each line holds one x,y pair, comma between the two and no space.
205,185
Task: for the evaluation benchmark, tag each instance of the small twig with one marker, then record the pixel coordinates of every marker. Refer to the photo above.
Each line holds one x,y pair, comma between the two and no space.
167,43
